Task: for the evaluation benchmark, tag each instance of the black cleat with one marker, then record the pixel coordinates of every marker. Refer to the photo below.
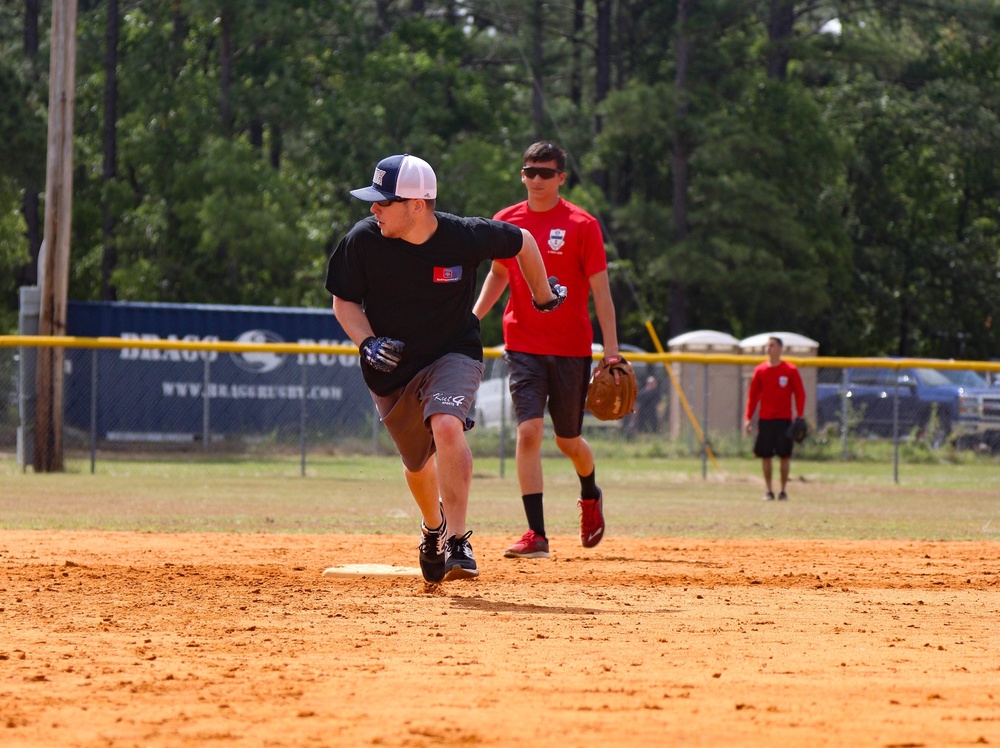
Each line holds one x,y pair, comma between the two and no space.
432,551
460,563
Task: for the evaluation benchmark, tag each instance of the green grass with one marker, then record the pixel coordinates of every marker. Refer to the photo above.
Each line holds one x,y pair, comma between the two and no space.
645,496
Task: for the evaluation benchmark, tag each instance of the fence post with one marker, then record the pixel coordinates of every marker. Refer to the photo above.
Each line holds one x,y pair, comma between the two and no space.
843,414
704,420
205,407
741,406
895,426
691,431
302,417
93,409
503,425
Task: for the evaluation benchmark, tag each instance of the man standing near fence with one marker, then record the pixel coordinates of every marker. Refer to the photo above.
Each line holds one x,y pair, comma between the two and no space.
403,282
773,386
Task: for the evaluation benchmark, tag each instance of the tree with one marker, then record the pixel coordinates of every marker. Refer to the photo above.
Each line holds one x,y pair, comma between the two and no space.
760,173
110,167
22,163
924,122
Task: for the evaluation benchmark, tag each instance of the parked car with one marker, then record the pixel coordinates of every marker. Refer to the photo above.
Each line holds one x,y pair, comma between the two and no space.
493,404
958,405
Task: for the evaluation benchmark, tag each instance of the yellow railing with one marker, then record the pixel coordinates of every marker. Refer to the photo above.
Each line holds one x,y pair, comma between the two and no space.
224,346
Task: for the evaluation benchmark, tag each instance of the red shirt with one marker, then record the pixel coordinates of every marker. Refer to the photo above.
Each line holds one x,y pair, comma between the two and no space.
773,387
572,249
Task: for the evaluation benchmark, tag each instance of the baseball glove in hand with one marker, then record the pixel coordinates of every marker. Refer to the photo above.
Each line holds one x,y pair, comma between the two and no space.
382,354
798,430
612,389
560,296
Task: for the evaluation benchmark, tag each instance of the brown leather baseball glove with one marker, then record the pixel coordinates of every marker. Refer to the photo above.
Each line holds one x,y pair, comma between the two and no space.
612,389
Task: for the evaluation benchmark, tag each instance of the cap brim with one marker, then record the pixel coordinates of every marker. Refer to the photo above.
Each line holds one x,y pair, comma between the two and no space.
371,194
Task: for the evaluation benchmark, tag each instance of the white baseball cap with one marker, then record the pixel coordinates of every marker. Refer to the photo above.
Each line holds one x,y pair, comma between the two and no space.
402,175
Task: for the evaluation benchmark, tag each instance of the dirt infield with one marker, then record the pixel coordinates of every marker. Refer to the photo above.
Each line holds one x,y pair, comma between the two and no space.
130,639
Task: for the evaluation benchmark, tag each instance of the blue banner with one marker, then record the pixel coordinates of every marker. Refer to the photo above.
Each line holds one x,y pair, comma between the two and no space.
163,395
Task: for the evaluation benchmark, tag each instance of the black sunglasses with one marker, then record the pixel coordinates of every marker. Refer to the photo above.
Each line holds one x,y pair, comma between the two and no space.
544,172
390,201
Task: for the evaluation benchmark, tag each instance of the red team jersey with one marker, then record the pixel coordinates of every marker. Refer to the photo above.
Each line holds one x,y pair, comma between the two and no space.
773,387
572,248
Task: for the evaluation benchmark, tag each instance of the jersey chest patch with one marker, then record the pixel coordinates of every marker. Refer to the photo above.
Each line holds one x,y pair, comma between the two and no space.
557,238
448,275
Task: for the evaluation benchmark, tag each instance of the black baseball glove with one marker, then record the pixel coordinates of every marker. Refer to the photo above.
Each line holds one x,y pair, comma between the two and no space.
798,430
382,354
560,293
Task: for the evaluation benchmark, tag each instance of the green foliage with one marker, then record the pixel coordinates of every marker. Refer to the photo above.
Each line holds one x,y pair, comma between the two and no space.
765,238
854,200
22,163
13,250
22,130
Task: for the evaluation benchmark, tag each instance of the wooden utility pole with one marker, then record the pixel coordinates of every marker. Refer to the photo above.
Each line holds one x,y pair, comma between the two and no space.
54,260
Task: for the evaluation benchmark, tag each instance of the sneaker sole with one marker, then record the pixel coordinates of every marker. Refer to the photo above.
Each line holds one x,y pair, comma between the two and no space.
533,554
460,572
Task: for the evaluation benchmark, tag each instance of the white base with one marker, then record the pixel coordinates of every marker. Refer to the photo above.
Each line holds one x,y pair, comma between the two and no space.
371,570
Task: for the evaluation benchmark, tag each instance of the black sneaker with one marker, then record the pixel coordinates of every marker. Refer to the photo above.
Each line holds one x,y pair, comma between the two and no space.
460,563
432,551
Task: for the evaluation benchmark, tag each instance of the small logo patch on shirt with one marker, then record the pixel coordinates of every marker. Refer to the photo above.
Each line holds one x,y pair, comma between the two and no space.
448,275
557,237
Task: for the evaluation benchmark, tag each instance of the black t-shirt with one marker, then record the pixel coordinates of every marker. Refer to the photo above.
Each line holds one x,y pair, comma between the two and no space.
421,294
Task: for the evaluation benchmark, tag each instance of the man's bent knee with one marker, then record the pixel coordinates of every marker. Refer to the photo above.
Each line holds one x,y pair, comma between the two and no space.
531,432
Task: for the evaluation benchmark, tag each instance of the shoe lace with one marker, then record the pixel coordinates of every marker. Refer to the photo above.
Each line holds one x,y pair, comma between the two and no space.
433,539
459,545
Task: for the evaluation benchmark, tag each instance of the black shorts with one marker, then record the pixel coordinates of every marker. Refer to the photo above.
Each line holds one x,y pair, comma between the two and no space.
773,439
561,381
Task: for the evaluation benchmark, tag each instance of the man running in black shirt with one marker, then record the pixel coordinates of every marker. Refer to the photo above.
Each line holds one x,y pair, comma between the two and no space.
403,284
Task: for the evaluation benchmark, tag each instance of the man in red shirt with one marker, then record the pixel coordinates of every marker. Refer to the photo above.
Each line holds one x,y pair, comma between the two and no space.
550,357
774,384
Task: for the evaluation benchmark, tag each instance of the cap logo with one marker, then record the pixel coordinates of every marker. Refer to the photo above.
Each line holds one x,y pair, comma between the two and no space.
403,176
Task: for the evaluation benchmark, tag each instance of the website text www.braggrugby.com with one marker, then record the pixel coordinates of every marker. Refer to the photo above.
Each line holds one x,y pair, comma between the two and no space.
252,391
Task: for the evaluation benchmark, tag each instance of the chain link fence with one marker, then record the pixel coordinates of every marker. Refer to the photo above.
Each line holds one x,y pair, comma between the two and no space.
194,401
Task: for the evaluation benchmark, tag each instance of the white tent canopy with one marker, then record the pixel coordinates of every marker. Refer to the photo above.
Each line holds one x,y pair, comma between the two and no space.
704,338
793,342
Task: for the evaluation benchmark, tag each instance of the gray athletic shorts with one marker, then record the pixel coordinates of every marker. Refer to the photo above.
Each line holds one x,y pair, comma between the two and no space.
559,380
448,385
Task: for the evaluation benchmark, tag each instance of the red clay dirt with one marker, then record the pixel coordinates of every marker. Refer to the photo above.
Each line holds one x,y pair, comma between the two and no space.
131,639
